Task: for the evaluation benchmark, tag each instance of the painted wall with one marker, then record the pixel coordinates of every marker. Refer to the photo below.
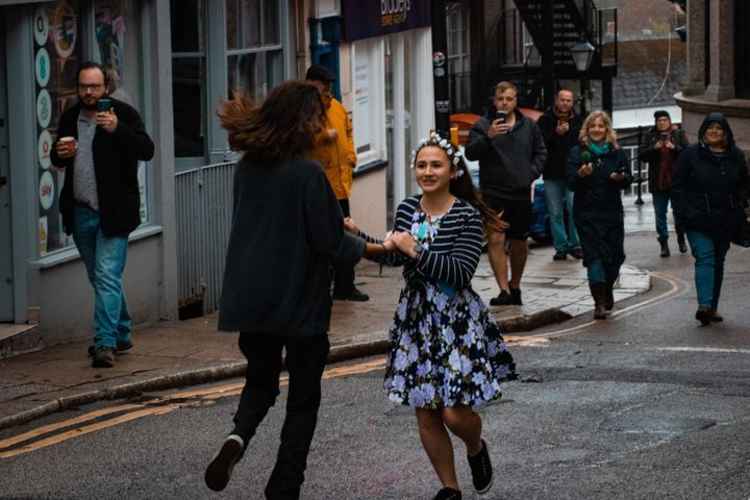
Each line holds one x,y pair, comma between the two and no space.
72,318
368,202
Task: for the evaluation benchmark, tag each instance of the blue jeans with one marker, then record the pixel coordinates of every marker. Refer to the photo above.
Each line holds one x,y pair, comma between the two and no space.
558,198
661,202
104,259
709,256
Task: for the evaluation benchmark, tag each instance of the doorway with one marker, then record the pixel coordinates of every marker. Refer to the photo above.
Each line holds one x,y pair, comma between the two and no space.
6,241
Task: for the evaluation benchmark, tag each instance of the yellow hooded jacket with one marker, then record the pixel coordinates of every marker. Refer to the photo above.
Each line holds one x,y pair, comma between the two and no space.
337,155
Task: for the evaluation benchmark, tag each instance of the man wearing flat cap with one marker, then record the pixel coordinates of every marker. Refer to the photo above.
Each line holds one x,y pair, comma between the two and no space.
660,149
334,149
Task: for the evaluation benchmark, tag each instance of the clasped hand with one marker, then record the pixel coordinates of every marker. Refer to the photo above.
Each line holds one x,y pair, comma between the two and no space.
394,240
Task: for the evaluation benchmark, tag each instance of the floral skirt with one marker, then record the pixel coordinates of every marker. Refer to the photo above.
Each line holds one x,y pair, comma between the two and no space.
446,350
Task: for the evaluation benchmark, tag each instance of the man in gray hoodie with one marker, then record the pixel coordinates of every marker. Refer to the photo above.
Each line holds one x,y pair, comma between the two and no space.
511,154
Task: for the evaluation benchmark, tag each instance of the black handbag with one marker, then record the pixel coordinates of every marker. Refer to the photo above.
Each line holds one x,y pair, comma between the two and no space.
742,236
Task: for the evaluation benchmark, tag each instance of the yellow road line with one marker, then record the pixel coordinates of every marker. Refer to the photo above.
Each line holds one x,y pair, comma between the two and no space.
52,440
150,408
7,443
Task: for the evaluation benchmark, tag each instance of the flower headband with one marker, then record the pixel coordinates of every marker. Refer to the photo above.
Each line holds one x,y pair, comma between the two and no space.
454,154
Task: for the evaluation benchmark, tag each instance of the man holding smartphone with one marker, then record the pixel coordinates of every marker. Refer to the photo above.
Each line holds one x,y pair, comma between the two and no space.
99,143
511,154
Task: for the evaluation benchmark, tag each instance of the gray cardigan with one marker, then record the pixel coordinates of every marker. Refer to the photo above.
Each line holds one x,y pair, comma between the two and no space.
287,230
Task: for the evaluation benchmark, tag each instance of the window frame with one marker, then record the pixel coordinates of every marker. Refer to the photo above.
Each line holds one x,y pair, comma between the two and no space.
216,83
376,106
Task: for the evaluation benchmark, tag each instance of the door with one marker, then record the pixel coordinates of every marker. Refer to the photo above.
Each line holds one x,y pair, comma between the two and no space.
6,247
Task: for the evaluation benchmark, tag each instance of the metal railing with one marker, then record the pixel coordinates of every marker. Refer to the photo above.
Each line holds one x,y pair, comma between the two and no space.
204,219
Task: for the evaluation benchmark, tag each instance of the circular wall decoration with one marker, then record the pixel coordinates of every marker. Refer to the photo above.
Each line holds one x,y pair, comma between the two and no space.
44,148
41,26
65,29
46,190
42,67
44,108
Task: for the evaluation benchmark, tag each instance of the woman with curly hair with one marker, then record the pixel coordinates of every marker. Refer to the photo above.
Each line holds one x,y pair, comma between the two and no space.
447,354
287,230
597,173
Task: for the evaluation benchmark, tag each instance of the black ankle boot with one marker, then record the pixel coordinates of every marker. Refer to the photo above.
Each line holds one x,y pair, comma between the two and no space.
664,248
609,297
599,293
681,242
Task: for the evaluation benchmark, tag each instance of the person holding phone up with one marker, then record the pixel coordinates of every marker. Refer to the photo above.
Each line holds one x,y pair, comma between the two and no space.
99,143
511,154
597,173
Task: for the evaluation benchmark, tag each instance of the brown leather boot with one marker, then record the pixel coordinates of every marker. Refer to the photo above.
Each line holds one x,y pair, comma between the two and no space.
599,293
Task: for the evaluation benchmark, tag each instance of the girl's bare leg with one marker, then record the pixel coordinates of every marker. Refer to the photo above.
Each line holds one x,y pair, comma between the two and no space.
437,443
467,425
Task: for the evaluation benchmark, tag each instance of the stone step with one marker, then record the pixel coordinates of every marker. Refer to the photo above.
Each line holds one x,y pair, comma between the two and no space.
19,339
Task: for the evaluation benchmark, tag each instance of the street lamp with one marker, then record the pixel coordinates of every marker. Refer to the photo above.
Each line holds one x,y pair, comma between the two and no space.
583,53
531,54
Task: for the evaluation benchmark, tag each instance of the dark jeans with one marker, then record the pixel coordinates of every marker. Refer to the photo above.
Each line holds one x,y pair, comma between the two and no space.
343,278
305,361
661,202
709,254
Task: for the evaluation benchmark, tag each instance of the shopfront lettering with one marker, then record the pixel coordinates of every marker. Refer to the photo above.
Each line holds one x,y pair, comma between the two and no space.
366,19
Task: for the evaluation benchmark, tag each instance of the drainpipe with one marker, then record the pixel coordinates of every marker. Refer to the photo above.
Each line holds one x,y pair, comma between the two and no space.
440,67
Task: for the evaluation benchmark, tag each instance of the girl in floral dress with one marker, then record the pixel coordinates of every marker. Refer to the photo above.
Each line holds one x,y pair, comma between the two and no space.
447,354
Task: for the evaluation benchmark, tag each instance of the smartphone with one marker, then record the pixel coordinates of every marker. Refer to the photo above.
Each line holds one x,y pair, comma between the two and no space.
501,116
104,104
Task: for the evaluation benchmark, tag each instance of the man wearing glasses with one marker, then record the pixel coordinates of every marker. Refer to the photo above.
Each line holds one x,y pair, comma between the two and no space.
99,143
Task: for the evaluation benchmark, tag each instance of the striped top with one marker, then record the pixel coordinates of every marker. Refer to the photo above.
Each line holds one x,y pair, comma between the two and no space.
453,255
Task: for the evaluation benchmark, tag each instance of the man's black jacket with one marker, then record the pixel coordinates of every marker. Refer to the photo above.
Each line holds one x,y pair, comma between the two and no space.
116,157
558,146
510,162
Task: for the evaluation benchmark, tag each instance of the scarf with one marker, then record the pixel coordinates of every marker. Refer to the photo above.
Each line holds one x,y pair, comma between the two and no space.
599,149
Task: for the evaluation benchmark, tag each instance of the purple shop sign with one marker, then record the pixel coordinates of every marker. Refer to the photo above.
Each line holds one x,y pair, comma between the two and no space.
371,18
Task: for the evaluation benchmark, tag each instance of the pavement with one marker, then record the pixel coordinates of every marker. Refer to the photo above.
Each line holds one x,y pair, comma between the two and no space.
183,353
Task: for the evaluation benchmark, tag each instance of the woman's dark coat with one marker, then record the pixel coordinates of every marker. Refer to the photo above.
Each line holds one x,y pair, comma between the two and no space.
597,206
708,189
287,230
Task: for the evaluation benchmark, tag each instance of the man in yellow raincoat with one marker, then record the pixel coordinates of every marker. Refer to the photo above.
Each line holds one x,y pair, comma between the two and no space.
334,150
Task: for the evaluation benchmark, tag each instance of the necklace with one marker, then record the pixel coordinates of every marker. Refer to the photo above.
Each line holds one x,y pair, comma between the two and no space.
432,216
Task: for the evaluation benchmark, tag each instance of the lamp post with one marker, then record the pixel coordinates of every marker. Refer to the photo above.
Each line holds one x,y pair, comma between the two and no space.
583,54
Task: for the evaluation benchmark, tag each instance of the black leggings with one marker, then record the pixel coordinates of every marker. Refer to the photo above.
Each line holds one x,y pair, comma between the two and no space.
305,361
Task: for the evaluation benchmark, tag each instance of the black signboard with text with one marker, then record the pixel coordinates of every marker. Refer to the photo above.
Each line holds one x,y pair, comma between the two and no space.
371,18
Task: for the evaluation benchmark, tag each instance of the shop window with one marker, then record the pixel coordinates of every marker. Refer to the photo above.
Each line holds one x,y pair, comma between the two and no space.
368,117
459,55
57,55
255,57
188,77
60,46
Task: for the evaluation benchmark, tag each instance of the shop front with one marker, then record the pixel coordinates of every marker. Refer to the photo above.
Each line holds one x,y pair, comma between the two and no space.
387,85
43,278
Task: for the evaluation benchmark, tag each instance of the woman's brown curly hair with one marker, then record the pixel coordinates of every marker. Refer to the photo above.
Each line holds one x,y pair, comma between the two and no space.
283,126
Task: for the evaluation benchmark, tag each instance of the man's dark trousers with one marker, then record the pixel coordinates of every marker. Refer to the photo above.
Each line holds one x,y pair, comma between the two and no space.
305,361
343,280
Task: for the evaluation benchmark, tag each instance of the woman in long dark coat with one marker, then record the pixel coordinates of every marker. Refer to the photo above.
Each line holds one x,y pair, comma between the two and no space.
597,173
710,187
287,230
